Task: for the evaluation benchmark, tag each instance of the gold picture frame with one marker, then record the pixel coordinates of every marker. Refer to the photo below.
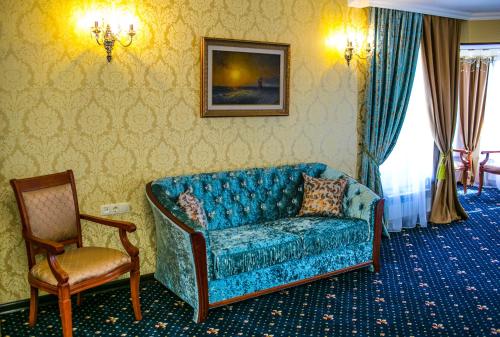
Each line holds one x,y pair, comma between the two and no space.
244,78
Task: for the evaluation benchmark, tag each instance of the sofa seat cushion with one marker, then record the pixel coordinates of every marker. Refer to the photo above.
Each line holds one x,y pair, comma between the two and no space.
320,234
246,248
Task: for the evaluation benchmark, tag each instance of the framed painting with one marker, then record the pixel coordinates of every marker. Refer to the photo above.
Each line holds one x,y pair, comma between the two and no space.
244,78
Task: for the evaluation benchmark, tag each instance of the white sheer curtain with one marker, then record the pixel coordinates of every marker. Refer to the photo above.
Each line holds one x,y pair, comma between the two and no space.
490,134
406,174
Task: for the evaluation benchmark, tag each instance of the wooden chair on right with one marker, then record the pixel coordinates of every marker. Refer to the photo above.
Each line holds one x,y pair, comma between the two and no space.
464,165
486,168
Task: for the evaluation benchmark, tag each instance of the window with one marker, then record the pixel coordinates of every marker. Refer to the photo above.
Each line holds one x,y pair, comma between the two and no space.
406,174
489,139
491,125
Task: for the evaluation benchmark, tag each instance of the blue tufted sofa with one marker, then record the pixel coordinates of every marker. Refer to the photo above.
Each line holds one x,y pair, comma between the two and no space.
254,242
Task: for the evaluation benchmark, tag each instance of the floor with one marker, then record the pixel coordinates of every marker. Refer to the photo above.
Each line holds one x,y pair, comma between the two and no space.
436,281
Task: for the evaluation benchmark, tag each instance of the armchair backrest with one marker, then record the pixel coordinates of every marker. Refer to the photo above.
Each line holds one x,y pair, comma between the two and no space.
236,198
48,208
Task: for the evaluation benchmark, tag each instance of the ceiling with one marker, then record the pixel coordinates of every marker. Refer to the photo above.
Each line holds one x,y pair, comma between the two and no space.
460,9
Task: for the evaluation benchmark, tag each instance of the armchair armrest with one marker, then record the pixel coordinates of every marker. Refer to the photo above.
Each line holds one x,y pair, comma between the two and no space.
50,246
487,153
125,225
465,156
53,249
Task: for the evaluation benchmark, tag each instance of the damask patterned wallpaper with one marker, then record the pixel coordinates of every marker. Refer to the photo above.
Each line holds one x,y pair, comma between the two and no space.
123,124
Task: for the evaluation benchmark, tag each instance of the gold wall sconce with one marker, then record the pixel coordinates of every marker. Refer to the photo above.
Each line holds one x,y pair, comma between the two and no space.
351,51
104,36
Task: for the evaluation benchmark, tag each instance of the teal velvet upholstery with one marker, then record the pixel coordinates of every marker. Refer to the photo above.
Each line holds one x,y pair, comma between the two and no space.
175,264
319,234
290,271
236,198
175,209
241,249
359,201
254,239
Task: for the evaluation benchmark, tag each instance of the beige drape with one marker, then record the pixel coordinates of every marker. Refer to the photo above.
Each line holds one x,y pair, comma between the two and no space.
440,43
473,87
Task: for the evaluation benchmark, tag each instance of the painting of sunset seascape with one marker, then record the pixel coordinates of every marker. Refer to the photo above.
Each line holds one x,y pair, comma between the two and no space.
244,78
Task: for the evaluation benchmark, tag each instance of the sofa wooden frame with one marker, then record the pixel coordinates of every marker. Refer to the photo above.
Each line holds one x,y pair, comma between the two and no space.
200,259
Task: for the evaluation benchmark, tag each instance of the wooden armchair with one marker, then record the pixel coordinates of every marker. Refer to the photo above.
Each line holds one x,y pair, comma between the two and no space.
464,165
486,168
50,218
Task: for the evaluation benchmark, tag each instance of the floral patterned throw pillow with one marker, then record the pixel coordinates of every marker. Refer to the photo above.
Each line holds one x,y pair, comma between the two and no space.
193,208
322,196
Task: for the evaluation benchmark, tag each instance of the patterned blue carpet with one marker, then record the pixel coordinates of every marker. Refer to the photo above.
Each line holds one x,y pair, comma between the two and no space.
437,281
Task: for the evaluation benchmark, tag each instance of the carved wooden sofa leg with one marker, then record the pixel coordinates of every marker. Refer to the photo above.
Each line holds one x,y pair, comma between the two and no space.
379,214
200,262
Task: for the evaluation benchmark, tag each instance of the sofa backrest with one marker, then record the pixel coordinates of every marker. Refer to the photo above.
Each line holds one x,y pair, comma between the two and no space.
243,197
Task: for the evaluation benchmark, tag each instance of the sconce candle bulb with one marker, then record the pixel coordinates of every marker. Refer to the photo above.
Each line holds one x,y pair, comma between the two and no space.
369,48
350,52
105,37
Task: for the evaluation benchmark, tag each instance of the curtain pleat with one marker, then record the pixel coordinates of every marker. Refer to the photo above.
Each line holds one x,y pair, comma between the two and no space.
473,90
441,42
397,36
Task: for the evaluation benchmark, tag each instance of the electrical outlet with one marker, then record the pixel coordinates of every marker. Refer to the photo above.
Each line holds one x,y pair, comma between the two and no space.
111,209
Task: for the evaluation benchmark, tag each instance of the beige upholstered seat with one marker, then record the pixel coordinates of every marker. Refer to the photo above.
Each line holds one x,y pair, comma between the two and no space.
82,264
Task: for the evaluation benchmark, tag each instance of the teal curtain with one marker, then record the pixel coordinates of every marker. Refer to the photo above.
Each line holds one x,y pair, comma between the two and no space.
396,37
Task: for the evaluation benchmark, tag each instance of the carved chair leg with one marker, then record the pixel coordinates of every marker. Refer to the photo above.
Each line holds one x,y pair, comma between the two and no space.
465,177
78,299
65,311
481,177
134,292
465,180
33,306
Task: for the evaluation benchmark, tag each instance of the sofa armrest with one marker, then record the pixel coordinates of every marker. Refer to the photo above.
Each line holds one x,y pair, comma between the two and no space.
174,212
181,254
359,201
181,216
362,203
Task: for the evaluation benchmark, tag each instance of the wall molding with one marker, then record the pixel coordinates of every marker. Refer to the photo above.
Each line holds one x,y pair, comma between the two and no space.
10,307
485,16
425,9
